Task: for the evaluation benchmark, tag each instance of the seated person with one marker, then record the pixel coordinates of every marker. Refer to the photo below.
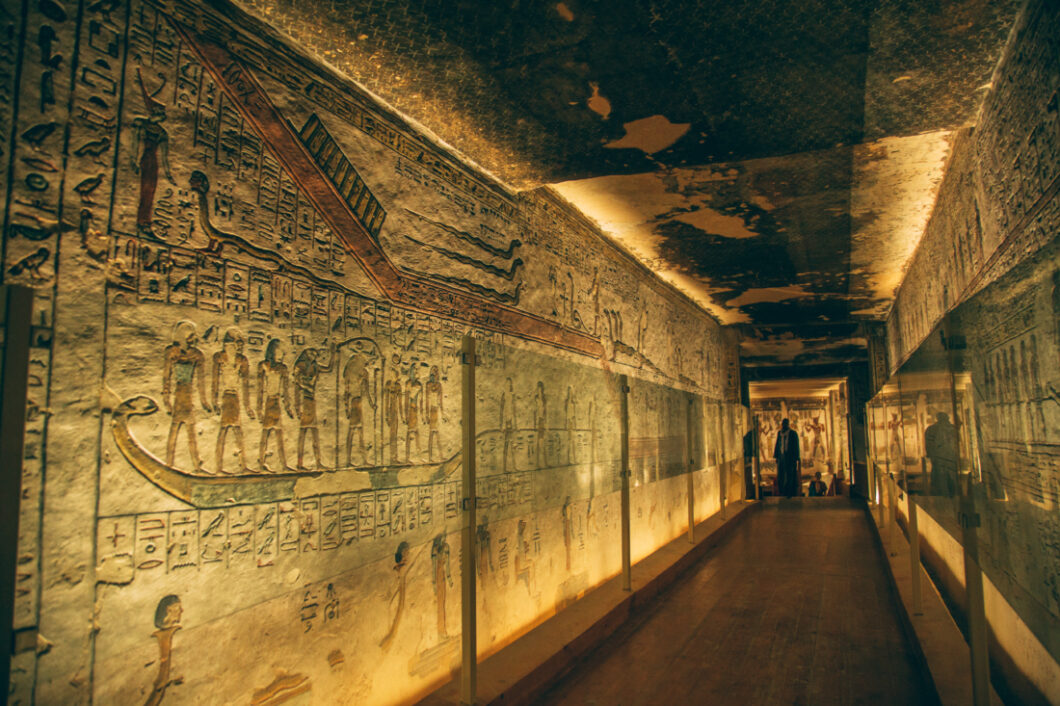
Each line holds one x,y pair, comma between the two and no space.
817,486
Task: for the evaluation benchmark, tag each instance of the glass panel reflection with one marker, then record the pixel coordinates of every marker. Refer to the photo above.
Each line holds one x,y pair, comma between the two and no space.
970,424
547,443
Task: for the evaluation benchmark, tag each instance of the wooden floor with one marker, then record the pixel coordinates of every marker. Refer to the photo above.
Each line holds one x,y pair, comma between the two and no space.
793,608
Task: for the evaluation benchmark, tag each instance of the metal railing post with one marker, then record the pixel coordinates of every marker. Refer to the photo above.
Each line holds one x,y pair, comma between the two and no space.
880,499
691,472
973,583
757,461
892,488
913,527
623,396
850,455
468,604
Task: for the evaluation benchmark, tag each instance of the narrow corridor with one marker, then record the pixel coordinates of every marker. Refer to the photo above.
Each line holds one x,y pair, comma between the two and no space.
793,608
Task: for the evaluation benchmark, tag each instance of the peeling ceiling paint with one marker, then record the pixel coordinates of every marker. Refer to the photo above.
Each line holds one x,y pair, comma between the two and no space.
896,183
597,103
775,159
649,135
564,11
710,221
836,227
769,294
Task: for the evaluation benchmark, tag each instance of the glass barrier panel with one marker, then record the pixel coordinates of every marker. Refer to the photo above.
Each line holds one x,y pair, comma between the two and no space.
894,441
716,447
1005,345
933,435
876,432
735,469
658,450
747,454
705,476
549,510
972,421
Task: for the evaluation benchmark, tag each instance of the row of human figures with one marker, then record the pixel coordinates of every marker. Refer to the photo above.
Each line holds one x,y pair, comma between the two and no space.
1014,391
405,403
536,418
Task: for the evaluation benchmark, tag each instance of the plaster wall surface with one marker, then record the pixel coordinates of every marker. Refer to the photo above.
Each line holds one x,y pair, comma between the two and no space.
241,479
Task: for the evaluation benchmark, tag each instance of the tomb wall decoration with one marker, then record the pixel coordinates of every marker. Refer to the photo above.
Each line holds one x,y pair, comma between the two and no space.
242,448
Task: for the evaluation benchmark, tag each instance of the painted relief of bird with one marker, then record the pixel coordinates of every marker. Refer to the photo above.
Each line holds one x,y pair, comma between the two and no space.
87,186
94,148
39,133
44,229
31,264
27,232
93,241
181,283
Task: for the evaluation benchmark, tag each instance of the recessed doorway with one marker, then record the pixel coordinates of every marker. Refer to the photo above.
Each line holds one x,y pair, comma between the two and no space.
818,409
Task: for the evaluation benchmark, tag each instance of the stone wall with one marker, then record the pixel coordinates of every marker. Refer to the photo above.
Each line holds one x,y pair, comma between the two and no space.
999,199
241,479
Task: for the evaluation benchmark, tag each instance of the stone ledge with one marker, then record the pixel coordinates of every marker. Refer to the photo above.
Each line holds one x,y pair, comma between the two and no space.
936,640
523,670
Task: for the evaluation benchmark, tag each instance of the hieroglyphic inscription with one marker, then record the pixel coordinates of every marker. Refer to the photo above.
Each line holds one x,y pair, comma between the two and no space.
244,536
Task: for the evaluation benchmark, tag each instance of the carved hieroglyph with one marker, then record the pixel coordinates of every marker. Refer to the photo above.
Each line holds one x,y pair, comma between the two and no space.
252,281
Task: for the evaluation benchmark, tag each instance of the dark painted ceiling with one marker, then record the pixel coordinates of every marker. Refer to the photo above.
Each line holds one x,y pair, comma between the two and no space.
775,159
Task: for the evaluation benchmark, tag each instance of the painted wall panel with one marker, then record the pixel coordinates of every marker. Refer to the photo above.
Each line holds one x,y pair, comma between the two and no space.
242,470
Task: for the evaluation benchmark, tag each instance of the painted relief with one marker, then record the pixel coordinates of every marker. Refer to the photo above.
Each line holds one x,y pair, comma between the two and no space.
250,413
672,432
812,419
997,204
822,425
1008,408
552,422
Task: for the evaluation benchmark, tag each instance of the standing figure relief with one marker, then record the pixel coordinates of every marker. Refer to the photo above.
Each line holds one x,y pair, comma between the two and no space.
183,371
273,385
307,370
231,380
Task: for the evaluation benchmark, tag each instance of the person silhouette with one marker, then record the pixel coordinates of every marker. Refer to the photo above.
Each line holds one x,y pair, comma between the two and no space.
940,446
786,452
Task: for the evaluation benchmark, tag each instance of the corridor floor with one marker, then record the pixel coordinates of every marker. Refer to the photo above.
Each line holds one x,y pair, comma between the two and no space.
792,608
